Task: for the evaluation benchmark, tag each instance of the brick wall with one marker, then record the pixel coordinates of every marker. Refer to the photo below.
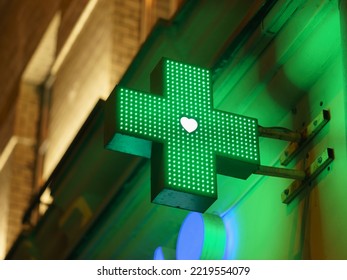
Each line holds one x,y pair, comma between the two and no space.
5,183
131,25
83,78
96,62
126,35
19,170
22,24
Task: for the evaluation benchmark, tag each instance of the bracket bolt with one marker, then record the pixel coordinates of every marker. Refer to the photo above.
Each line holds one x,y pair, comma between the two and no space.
320,159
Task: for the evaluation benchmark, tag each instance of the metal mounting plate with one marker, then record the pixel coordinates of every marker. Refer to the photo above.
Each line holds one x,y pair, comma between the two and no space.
308,134
321,162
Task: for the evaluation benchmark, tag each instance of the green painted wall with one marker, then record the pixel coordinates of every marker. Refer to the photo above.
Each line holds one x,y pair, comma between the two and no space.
313,226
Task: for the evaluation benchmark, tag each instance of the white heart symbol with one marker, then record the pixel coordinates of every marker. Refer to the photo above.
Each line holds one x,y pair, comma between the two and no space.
189,125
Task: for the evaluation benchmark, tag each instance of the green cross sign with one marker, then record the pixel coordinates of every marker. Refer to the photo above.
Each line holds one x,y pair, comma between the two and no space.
188,141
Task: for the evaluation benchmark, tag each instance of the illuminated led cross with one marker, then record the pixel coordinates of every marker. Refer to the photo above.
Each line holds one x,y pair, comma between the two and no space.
191,141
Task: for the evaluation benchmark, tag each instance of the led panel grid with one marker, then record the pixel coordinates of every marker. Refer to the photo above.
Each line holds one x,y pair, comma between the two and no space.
190,159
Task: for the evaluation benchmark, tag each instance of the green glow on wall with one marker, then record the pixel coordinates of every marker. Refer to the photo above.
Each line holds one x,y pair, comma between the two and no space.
192,142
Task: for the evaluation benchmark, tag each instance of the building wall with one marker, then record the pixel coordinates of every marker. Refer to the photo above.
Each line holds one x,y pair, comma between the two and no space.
98,57
82,79
260,226
17,175
96,62
22,24
5,183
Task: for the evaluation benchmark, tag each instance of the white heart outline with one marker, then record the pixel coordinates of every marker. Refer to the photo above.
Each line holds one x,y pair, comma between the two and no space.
189,124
